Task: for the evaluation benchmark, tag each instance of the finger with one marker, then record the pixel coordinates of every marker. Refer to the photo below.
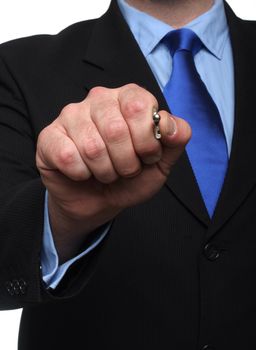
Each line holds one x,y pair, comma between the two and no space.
93,150
175,133
137,107
106,115
56,151
79,127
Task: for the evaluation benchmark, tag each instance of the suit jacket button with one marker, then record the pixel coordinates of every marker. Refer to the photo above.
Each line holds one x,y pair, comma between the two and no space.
211,252
23,286
9,287
16,287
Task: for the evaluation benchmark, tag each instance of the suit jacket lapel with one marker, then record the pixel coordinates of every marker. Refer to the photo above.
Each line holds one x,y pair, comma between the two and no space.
241,176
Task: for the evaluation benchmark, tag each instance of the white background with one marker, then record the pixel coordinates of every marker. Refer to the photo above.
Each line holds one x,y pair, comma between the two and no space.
26,17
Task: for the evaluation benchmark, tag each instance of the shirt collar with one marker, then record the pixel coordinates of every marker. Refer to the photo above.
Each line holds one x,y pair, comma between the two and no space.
211,27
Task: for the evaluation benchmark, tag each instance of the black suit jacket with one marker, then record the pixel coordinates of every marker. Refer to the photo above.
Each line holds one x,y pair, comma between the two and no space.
167,277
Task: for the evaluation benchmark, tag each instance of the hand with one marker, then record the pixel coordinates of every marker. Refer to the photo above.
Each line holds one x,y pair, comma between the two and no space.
100,156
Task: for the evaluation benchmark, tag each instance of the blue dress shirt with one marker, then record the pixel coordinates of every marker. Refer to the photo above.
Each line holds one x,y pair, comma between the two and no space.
215,66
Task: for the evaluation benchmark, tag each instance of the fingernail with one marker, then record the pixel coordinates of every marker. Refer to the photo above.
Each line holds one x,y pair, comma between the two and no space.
172,127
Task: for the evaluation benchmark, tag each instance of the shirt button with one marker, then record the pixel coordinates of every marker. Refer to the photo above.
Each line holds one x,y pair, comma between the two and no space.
211,252
208,347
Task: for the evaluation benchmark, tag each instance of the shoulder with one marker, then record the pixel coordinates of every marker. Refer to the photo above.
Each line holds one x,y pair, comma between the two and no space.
244,34
40,48
249,25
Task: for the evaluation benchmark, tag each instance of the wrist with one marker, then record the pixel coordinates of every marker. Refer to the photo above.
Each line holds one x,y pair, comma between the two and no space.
70,230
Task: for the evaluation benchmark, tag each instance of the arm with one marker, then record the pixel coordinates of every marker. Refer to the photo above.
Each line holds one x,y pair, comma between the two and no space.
22,198
81,162
52,271
84,193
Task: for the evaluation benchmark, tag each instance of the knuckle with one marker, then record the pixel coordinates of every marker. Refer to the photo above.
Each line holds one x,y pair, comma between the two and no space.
133,86
134,107
42,137
65,157
70,110
150,100
43,140
98,91
94,149
46,143
46,132
115,131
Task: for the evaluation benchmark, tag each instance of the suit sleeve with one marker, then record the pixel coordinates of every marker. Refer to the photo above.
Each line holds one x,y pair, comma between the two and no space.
22,198
22,208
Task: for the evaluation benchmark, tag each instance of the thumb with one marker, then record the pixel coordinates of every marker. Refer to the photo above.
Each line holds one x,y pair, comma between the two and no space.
175,134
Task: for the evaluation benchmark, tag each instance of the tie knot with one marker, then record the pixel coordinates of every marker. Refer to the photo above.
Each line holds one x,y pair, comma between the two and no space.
182,39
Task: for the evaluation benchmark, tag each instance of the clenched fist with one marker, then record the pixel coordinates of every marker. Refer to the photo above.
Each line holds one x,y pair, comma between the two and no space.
100,156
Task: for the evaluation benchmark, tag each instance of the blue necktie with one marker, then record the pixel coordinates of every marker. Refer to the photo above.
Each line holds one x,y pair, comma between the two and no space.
187,97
